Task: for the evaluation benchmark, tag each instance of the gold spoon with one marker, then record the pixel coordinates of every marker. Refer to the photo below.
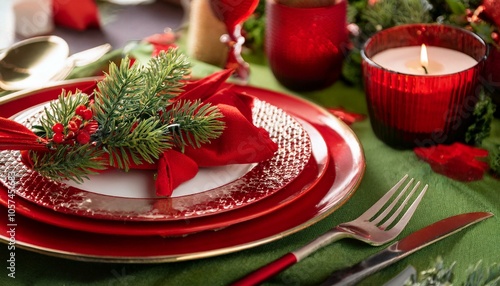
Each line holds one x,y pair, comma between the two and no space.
32,62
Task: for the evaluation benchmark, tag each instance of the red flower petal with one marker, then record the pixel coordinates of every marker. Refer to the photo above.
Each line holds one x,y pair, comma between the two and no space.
457,161
161,42
346,116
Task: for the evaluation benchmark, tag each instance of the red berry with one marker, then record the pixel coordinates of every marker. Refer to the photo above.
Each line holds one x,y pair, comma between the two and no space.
77,120
70,135
79,109
73,126
58,138
83,137
91,126
494,36
87,114
58,128
134,126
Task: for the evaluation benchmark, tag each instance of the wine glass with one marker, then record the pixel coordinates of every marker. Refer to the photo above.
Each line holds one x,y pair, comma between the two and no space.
232,13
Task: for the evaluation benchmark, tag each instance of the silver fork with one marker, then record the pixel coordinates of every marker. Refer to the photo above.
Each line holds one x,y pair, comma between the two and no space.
376,226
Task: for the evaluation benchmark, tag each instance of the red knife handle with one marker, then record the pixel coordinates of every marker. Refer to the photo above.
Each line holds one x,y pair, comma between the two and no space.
262,274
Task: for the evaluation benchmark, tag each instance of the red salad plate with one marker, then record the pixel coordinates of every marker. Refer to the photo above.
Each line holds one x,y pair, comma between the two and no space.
116,195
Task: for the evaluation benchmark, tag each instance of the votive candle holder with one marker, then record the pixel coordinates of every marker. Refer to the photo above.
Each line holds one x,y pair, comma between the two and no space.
407,110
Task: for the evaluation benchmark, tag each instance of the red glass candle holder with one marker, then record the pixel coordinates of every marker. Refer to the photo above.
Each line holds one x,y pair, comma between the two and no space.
409,110
305,47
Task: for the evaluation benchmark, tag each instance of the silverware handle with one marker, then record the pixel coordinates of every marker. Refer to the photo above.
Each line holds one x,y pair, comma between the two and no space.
268,271
262,274
355,273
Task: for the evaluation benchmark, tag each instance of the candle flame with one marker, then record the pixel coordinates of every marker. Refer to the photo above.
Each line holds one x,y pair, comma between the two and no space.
424,61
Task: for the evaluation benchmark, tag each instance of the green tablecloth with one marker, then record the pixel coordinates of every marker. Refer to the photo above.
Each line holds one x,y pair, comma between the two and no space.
444,198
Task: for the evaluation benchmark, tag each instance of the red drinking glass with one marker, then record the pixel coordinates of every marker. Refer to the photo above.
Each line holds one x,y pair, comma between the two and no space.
408,110
305,47
232,13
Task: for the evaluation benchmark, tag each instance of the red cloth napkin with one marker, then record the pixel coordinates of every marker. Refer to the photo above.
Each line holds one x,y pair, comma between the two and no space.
241,141
15,136
76,14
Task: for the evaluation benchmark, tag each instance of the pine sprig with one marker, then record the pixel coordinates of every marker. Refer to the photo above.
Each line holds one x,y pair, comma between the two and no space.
116,99
193,123
129,103
389,13
481,275
483,116
164,76
438,275
492,144
145,142
442,275
69,162
414,11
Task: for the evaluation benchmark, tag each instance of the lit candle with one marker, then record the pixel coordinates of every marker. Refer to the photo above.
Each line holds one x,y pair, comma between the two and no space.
424,60
408,107
432,61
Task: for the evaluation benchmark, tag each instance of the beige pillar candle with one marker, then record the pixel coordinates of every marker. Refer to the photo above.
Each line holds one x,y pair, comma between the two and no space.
204,34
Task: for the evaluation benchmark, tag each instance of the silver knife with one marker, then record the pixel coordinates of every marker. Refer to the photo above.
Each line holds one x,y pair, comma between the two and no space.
406,246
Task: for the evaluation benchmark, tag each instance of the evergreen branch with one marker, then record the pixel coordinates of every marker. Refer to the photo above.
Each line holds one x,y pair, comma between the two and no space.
480,275
413,11
144,143
128,104
68,162
117,97
194,123
389,13
492,144
163,81
377,17
441,275
483,116
164,75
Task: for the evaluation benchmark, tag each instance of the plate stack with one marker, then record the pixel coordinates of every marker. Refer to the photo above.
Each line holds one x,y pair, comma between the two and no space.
116,217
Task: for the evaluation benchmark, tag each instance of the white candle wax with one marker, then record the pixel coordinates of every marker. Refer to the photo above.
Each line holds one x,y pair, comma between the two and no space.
407,60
